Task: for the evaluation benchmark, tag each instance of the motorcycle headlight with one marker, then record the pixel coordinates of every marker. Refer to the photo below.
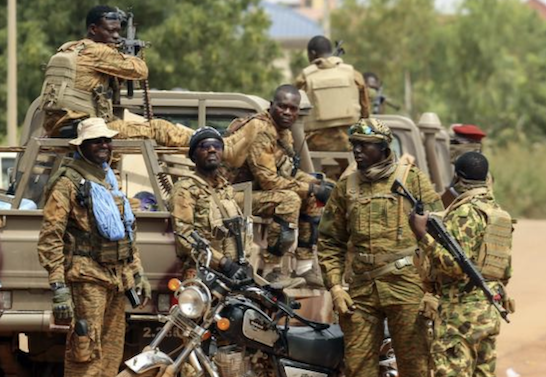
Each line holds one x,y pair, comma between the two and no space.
193,302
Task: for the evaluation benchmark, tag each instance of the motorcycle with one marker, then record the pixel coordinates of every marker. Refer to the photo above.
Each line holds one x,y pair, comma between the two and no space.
235,327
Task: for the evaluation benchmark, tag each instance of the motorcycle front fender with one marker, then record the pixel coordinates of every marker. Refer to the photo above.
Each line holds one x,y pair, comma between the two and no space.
147,360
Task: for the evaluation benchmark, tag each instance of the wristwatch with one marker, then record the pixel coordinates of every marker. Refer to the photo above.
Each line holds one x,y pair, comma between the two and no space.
57,285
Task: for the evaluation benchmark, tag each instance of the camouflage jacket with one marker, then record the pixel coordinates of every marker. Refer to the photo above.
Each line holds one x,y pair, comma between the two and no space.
97,63
376,223
322,63
269,160
467,223
193,208
63,212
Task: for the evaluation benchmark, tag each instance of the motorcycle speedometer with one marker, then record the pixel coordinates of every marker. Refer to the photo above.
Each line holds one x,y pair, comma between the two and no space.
193,302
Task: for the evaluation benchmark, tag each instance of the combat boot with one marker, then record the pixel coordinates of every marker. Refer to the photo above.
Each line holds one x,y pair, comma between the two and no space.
280,280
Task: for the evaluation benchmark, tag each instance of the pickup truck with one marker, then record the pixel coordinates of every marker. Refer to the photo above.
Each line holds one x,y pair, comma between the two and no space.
31,344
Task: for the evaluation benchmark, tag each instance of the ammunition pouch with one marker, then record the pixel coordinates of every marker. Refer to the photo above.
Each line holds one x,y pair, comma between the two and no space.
428,307
102,99
286,240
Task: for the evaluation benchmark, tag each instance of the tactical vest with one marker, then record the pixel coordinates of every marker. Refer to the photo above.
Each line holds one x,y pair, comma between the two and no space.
220,209
59,91
494,256
396,259
334,96
91,244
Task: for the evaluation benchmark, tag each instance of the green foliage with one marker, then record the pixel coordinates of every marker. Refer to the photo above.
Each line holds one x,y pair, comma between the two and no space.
484,65
518,168
209,45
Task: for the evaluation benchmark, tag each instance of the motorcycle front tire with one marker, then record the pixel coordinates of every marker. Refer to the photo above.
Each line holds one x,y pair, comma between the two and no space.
129,373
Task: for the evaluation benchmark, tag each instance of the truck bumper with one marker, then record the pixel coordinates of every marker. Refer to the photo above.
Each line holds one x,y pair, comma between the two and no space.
29,321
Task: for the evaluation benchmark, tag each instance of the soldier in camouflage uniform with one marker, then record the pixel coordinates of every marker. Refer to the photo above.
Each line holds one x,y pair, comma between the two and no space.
87,246
465,335
364,238
339,97
281,190
70,94
202,200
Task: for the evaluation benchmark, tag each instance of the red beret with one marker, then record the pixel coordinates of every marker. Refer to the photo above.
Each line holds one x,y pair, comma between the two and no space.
468,131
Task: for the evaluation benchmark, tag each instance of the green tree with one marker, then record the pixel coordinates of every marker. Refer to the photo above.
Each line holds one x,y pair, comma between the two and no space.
209,45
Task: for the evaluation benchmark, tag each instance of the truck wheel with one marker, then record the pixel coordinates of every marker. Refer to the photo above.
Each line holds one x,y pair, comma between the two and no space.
129,373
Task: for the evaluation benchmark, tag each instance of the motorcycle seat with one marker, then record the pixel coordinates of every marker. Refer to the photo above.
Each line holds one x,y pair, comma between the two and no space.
321,348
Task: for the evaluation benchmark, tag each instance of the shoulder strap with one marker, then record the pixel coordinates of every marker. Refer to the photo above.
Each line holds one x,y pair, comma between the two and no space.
238,123
401,173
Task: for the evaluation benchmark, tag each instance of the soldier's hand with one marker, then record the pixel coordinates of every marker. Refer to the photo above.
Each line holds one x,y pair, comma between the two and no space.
143,288
343,303
418,224
63,307
322,192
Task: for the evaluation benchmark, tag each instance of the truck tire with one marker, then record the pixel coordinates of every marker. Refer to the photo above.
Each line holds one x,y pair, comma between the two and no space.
129,373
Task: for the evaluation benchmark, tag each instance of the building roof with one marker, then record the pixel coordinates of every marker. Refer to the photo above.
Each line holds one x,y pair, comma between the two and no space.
290,27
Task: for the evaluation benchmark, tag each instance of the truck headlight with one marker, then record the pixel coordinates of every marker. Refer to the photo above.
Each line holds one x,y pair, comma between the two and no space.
193,301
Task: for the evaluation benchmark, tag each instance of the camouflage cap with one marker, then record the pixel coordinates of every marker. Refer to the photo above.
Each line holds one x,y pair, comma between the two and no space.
370,130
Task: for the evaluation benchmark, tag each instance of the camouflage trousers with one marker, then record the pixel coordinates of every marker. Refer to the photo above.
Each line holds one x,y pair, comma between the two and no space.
334,139
163,132
100,353
464,339
364,333
288,206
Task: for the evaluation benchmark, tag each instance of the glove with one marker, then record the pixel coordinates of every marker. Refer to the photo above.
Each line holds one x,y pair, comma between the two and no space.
63,307
322,192
236,271
343,303
143,288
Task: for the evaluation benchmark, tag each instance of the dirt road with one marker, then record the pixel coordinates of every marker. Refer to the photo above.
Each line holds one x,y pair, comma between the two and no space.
522,343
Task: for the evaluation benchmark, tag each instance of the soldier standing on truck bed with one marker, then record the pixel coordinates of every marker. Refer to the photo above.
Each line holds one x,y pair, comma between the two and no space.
82,77
203,201
365,237
339,97
87,245
282,190
465,335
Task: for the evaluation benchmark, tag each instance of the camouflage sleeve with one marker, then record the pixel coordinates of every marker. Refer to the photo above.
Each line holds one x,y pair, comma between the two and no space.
262,164
333,237
363,95
183,202
467,226
419,186
50,241
105,59
300,82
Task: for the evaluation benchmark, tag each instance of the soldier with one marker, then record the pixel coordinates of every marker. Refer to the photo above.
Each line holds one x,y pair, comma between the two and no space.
364,237
338,95
281,190
83,76
202,201
87,246
464,342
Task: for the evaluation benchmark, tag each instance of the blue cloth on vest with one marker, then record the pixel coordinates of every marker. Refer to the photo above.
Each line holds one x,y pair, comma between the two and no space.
107,215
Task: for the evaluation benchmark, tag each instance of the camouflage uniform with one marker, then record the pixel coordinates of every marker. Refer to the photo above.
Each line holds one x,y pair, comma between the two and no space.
97,288
96,65
193,208
364,229
276,192
334,138
465,336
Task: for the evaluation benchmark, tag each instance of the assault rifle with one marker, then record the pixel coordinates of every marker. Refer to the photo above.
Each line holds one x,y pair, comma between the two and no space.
437,230
130,45
338,50
235,225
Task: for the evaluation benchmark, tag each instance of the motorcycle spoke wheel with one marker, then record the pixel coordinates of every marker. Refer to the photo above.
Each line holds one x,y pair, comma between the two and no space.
130,373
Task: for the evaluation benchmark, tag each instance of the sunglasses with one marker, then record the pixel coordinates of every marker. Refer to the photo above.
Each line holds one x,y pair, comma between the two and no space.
206,145
114,16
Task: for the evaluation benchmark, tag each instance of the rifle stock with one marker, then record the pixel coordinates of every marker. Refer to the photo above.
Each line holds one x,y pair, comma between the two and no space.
437,230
